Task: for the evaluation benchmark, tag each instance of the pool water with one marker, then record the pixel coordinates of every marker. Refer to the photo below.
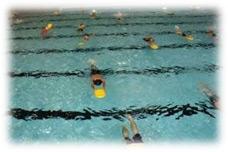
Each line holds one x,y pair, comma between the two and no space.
51,95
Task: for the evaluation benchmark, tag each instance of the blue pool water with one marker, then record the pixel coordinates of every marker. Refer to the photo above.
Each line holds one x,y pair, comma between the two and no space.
51,95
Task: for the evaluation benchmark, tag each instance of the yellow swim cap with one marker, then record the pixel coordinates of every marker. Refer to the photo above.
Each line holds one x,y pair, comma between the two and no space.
100,93
49,26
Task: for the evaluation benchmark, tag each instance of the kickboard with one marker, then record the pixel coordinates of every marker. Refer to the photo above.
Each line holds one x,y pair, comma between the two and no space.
99,93
154,46
189,37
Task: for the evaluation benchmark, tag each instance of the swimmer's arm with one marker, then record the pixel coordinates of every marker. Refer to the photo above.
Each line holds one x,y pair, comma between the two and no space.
103,83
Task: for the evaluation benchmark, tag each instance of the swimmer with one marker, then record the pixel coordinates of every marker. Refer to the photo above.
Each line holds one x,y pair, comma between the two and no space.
86,37
211,33
149,39
56,13
168,11
46,29
81,27
119,16
214,100
93,14
186,36
151,42
16,19
136,136
97,79
15,15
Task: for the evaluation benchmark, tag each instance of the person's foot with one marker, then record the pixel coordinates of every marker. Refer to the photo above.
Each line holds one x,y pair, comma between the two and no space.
177,27
91,61
204,88
125,132
178,30
129,117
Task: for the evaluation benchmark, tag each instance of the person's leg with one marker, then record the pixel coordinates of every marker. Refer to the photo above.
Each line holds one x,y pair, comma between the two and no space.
133,125
93,67
206,90
125,134
178,30
136,136
92,64
210,94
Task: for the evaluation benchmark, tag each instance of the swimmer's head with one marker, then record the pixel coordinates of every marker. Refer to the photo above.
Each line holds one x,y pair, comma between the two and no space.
86,37
93,14
97,82
49,26
94,11
147,38
82,25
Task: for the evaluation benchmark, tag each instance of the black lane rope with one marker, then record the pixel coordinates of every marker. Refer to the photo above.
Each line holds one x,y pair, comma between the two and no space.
158,111
113,18
113,48
115,25
175,70
123,34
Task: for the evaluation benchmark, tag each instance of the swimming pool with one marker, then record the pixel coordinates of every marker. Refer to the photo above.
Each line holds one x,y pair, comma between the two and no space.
51,95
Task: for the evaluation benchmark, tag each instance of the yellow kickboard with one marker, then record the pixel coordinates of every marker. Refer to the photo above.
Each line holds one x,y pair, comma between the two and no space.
189,37
99,93
154,46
